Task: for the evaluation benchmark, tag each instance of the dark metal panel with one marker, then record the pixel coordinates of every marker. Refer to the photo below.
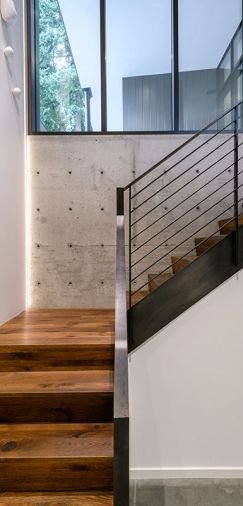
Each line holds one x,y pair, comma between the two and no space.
121,463
183,290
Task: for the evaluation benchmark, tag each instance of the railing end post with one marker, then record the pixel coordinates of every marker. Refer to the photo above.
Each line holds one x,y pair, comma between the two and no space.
120,201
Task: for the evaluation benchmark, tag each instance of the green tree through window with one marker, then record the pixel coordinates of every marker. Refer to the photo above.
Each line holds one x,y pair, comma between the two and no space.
61,95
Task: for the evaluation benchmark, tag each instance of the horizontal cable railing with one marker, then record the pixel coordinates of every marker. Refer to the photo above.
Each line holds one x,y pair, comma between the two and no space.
181,195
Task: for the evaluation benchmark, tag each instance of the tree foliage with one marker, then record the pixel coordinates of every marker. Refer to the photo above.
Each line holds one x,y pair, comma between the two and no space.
61,96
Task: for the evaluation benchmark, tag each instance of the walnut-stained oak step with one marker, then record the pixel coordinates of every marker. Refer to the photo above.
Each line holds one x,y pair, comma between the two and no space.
57,340
180,263
228,225
56,457
57,352
154,281
56,396
57,499
204,244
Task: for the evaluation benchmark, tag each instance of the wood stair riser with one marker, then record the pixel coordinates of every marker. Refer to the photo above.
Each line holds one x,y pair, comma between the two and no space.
203,244
56,474
180,263
40,359
154,281
72,407
226,227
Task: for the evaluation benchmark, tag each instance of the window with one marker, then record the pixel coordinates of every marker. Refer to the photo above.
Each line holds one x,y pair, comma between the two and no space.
138,34
206,32
133,65
68,87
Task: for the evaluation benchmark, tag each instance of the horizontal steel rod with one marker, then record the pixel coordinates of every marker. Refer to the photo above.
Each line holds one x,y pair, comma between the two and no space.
184,144
182,187
188,253
182,216
182,174
182,159
161,258
181,229
180,203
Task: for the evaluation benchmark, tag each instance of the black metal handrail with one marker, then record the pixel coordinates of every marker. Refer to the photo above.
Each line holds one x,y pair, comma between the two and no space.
180,161
203,130
121,402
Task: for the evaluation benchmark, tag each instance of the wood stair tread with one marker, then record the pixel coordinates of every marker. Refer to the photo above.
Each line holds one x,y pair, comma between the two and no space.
227,225
155,282
45,382
57,499
82,321
54,339
38,441
138,296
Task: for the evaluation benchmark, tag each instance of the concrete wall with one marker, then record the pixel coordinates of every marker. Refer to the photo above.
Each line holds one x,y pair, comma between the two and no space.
186,393
12,174
72,180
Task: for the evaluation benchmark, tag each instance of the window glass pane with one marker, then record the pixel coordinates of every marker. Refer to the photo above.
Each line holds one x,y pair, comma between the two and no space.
239,87
69,66
237,48
225,65
206,30
138,64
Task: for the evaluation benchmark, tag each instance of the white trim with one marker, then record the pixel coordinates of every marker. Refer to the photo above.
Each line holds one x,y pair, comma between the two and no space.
187,472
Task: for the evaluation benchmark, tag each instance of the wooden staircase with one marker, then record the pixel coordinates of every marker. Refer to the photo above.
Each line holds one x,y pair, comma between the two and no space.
56,409
202,244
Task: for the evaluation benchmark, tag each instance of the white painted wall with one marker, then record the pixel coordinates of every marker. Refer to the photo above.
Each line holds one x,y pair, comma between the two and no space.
12,175
186,395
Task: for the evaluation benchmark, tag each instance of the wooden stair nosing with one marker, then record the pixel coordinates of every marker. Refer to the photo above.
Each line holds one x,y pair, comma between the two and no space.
57,499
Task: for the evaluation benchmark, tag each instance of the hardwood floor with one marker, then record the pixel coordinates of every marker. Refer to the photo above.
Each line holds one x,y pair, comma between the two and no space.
56,408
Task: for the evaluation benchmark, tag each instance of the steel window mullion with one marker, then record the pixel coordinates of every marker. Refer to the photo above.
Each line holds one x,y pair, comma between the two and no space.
103,66
175,64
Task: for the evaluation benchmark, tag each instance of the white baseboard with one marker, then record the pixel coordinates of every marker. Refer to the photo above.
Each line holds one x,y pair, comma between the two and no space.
211,473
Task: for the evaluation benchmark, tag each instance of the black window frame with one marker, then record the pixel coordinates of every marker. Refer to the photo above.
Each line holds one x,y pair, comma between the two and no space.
33,80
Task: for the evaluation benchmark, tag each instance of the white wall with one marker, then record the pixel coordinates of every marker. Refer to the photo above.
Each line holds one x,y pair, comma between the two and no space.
12,177
186,395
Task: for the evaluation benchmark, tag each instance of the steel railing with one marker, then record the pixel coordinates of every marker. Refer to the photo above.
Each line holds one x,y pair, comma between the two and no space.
164,202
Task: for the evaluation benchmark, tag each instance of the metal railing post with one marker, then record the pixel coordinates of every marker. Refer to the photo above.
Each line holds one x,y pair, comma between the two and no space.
236,186
130,248
121,400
